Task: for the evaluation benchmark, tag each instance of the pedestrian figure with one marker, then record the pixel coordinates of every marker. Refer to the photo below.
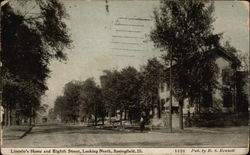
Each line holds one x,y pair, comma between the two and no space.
142,121
142,124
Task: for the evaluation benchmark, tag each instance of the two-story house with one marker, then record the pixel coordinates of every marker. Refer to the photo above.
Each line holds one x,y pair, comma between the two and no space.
221,100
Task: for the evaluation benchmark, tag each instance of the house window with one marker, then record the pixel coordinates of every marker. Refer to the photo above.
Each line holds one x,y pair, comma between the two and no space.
227,99
227,76
207,99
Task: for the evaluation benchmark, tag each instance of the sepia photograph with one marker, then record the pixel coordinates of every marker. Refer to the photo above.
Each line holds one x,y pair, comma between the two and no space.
89,75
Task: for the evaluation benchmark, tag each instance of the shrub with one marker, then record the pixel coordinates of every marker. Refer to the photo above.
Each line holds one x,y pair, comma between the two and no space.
213,119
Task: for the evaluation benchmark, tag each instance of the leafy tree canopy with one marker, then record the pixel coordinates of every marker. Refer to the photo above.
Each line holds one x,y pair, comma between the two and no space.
33,33
184,29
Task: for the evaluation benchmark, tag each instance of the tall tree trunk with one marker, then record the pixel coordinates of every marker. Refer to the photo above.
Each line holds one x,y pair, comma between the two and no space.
31,115
181,114
121,118
110,116
5,116
153,111
34,118
88,119
10,117
199,103
103,120
9,113
152,105
95,118
159,110
30,120
125,117
129,117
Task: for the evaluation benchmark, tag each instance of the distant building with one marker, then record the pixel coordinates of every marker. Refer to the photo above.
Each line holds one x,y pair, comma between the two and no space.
41,118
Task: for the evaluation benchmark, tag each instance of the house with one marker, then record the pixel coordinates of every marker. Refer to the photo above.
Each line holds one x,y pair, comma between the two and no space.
41,118
226,99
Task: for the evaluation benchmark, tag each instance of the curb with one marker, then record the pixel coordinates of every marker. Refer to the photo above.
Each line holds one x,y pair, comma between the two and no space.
28,131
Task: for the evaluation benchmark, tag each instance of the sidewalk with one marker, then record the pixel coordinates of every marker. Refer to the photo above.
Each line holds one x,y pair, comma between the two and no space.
205,130
15,132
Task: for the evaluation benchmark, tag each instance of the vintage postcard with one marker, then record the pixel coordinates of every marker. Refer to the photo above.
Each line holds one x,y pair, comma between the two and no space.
124,77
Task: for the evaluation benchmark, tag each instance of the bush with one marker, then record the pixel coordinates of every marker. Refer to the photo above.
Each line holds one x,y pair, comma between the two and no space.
213,119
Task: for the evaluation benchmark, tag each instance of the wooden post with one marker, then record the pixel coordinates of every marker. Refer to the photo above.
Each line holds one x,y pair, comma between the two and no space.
1,102
170,94
9,115
121,112
181,114
109,113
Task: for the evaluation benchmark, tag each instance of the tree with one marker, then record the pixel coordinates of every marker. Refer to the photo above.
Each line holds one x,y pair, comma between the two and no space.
110,92
92,100
80,101
29,42
129,91
120,91
242,57
184,29
61,109
72,91
151,76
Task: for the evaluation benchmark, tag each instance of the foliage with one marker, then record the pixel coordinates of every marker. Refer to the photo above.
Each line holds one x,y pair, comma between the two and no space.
80,99
184,29
72,91
217,120
152,74
61,109
121,90
237,54
28,45
109,84
242,92
92,99
129,88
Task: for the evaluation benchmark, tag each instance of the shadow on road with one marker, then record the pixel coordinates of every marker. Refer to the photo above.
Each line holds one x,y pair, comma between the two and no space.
72,129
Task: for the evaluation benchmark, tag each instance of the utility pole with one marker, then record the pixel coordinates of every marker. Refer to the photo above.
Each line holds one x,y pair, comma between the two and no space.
1,84
170,93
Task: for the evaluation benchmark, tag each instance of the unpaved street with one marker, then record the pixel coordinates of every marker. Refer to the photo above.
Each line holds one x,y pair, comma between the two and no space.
79,136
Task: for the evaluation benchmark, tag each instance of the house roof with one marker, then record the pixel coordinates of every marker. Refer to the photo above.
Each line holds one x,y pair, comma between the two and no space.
225,54
219,51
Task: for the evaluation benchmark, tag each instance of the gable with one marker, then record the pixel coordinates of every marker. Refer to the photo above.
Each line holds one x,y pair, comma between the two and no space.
227,56
222,62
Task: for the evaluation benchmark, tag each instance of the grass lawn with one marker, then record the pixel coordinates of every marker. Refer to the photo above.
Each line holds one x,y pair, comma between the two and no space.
14,132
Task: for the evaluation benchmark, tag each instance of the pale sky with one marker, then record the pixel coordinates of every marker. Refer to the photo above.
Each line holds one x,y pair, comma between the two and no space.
97,40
